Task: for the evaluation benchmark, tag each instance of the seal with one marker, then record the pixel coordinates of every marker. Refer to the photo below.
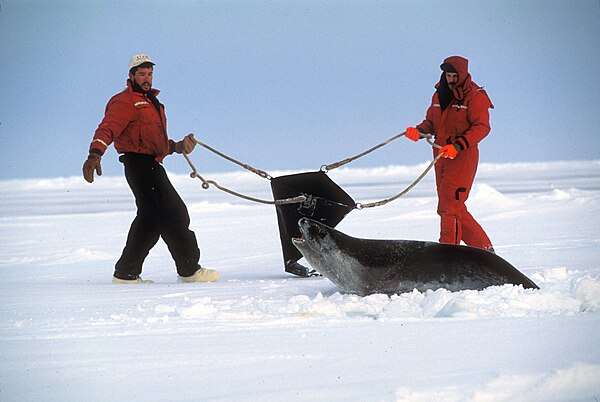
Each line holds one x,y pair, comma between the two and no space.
365,266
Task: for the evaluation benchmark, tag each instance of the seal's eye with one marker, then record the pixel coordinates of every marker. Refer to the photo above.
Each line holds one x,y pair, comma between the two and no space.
319,231
314,230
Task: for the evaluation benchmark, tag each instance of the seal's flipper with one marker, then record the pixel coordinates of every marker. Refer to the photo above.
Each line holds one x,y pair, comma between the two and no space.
326,203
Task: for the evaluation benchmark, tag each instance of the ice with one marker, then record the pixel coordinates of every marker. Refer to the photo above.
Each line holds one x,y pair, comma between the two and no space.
67,332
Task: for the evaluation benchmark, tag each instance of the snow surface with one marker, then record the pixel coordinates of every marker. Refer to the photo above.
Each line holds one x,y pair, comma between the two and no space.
67,333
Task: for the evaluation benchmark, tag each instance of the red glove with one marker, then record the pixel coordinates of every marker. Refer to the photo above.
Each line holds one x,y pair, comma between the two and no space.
412,134
449,151
92,163
186,145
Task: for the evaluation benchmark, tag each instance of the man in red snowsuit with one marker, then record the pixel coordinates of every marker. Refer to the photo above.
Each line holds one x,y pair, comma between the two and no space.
135,121
459,118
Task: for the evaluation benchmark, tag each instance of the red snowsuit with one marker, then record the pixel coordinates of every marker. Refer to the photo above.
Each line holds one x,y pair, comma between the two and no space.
464,122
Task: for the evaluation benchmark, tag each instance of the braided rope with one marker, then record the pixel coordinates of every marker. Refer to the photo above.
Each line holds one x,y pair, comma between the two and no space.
406,190
325,168
206,185
336,165
259,172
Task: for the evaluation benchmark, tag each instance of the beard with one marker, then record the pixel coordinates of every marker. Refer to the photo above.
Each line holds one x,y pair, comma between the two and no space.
445,93
141,87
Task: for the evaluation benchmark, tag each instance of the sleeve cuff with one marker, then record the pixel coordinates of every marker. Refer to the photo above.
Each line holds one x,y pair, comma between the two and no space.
462,142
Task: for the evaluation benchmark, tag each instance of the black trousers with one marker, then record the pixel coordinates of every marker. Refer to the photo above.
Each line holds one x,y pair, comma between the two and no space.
160,213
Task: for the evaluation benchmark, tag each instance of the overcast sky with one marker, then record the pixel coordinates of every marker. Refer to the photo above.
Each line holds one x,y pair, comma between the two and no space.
296,84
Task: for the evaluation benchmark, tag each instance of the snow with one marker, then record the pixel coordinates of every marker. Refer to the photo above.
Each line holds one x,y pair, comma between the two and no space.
67,333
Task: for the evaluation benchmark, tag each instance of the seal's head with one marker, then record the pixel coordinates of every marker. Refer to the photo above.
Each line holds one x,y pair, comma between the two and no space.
313,236
330,253
316,243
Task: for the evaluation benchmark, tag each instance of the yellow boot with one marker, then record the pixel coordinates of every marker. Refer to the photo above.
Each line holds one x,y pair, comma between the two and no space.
137,280
201,275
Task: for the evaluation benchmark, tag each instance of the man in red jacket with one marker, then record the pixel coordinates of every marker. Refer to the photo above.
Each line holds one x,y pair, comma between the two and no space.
459,118
135,122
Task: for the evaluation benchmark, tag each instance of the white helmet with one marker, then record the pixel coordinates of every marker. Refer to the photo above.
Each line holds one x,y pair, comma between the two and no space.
138,59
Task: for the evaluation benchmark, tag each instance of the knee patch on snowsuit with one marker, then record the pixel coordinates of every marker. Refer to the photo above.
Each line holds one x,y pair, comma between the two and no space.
458,192
450,208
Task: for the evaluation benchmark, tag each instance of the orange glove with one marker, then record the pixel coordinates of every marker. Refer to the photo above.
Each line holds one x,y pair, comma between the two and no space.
186,145
412,134
92,163
449,151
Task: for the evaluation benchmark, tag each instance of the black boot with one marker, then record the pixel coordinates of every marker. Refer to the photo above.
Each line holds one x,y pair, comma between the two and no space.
293,267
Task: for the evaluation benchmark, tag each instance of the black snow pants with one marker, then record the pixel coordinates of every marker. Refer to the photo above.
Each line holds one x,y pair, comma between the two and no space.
160,213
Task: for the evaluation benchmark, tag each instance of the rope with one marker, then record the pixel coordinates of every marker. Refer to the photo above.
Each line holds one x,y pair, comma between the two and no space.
259,172
428,138
325,168
206,184
331,166
406,190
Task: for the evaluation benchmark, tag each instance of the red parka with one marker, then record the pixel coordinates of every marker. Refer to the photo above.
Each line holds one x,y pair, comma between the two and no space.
466,121
134,124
